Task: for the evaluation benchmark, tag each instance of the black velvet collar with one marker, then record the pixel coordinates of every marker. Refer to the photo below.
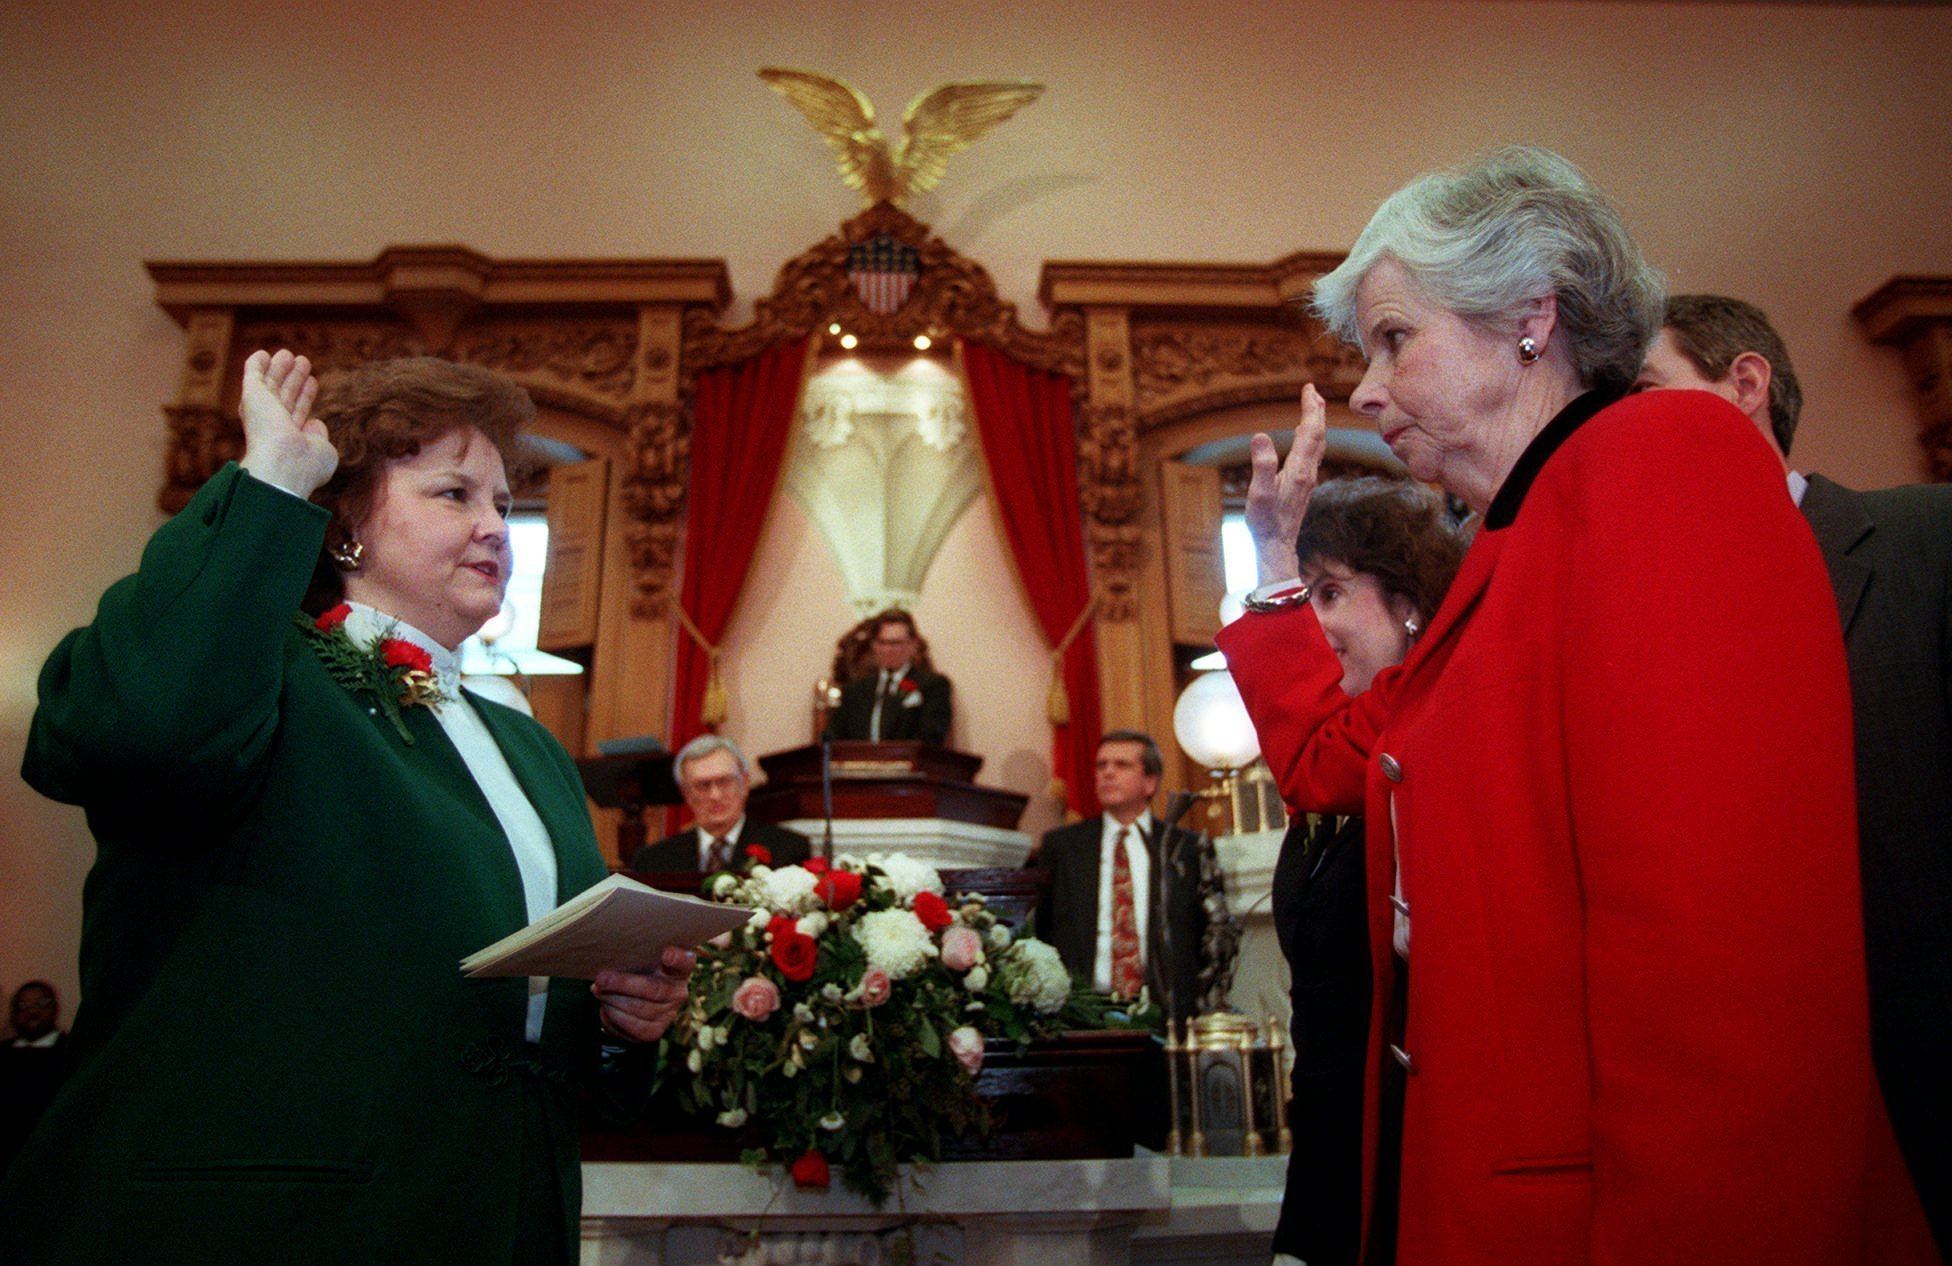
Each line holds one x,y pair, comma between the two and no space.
1511,494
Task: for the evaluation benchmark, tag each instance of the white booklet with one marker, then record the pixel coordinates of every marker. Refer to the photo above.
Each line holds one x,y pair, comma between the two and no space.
618,925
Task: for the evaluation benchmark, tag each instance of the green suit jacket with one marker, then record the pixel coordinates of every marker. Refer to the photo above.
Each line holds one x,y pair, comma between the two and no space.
278,1057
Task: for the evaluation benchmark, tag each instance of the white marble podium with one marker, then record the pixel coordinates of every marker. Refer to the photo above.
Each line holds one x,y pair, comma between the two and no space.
941,842
983,1213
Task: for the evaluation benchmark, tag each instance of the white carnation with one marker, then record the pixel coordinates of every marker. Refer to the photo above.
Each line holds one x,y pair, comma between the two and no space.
905,876
723,886
789,890
977,980
1000,937
1039,978
895,941
814,925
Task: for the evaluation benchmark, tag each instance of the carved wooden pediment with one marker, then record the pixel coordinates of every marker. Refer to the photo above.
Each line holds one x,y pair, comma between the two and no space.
953,296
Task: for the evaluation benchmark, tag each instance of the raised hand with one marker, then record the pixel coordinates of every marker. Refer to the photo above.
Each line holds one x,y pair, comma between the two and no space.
283,443
1278,493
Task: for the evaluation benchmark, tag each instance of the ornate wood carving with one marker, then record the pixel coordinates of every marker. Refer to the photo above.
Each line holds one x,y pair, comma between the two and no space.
1915,315
953,296
1185,369
658,459
1108,486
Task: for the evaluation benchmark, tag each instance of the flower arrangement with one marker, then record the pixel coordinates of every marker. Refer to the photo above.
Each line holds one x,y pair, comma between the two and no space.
395,672
845,1024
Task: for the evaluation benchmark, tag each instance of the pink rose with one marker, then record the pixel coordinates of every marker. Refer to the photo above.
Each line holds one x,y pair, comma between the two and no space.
962,947
875,986
756,998
966,1044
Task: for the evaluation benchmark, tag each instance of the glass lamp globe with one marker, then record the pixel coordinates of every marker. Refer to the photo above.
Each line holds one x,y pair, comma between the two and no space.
1212,725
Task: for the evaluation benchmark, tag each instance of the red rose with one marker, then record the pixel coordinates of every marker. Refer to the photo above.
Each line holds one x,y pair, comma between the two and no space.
908,686
810,1170
795,954
332,619
814,865
760,853
839,889
933,911
781,925
399,654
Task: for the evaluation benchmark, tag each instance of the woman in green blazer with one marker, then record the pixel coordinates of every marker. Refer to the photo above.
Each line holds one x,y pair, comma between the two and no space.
303,824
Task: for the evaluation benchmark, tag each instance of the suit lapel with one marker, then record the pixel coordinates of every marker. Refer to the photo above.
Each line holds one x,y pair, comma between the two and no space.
1841,526
542,784
430,737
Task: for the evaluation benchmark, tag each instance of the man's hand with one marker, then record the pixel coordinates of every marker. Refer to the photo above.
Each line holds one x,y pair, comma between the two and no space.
1277,495
639,1008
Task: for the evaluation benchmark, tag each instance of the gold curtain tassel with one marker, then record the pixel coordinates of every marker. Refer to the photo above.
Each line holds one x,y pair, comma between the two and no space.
711,712
1057,704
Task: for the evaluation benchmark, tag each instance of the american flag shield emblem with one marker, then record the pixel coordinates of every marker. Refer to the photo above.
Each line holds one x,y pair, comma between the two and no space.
883,271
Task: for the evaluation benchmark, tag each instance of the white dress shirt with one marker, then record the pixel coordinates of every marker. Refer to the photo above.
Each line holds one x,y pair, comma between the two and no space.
707,842
1141,863
528,839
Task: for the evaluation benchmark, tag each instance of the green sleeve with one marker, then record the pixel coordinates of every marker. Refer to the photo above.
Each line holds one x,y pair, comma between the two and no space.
172,692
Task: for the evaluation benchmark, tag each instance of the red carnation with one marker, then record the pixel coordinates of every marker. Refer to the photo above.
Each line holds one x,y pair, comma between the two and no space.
839,889
814,865
760,853
908,686
400,654
810,1170
933,911
795,954
330,620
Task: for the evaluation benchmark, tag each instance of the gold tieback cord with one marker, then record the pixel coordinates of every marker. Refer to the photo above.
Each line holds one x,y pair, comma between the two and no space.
1057,704
712,709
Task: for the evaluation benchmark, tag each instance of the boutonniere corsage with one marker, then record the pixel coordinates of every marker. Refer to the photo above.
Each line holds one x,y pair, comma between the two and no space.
395,672
910,692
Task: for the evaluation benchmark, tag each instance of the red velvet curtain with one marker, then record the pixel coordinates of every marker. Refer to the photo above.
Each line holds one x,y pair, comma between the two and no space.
1024,417
741,417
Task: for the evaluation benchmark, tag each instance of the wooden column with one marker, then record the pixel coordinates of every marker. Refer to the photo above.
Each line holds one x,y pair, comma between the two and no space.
1109,488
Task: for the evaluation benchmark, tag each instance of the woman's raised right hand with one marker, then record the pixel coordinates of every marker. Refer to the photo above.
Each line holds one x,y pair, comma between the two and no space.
1278,493
283,443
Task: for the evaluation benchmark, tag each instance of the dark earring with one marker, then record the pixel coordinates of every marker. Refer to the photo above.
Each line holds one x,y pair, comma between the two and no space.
1528,350
347,555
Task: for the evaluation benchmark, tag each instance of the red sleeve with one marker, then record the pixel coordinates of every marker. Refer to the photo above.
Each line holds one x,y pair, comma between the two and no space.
1315,739
1707,739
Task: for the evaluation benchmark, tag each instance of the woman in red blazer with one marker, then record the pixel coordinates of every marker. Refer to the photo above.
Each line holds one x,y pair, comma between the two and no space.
1612,782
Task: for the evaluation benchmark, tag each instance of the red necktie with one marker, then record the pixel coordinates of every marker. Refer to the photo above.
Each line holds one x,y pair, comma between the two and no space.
1128,974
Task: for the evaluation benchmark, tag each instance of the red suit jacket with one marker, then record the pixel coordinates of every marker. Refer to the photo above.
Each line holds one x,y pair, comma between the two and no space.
1619,773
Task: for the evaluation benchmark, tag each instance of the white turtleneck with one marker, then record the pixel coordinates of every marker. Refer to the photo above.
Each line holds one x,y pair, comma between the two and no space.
528,839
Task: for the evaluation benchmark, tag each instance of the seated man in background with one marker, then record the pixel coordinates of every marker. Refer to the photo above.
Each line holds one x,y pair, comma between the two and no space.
1889,555
711,772
33,1064
1108,885
903,698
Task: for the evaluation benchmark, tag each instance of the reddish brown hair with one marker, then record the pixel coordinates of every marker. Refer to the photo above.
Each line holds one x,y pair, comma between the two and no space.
390,409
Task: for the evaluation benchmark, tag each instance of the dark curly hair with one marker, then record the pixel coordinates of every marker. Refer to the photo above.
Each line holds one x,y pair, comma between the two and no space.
1393,529
391,409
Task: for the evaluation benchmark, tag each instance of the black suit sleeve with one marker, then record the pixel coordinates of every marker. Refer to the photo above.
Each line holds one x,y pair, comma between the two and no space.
938,710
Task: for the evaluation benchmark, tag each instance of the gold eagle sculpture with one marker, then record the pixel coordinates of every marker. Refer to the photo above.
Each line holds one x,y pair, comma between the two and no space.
936,125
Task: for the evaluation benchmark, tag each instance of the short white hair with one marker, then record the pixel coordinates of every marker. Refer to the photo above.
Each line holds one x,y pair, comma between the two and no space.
1512,226
702,746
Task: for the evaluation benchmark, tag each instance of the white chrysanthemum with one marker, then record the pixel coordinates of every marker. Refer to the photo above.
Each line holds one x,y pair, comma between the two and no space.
814,925
1039,979
759,919
905,876
788,890
896,941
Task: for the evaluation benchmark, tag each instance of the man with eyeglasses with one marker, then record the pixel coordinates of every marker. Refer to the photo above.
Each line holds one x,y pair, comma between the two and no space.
902,698
711,772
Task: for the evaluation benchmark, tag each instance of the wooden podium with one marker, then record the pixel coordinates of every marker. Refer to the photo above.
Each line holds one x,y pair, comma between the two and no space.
883,780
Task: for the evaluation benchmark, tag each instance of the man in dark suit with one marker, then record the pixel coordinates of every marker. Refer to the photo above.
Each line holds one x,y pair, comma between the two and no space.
33,1064
902,698
1889,554
1112,875
711,772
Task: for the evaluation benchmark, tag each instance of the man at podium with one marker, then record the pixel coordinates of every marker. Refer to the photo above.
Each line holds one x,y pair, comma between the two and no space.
902,697
711,772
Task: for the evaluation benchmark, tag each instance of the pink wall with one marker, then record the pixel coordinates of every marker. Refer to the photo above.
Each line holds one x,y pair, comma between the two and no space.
1795,154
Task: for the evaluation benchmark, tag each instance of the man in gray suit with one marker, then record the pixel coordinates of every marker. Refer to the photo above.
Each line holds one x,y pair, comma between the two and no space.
1889,554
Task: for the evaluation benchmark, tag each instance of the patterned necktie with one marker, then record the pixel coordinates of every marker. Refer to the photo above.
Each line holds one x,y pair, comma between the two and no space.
721,855
1128,975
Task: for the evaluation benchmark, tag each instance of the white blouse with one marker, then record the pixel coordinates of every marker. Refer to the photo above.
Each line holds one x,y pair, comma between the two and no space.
535,854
